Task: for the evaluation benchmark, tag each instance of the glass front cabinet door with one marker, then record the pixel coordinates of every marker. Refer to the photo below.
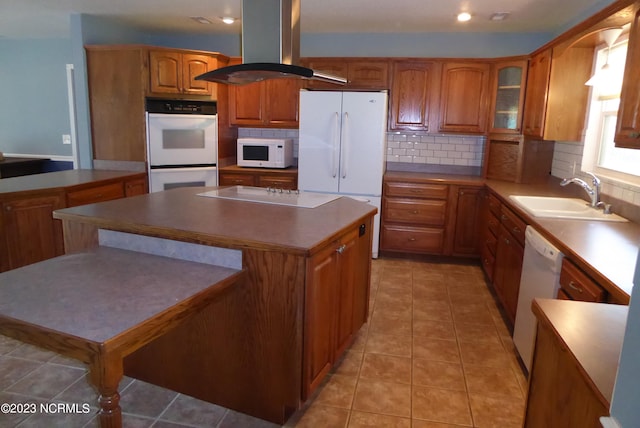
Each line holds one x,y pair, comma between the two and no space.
508,96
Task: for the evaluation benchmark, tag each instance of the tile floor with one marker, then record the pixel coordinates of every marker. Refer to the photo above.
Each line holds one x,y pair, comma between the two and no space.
434,354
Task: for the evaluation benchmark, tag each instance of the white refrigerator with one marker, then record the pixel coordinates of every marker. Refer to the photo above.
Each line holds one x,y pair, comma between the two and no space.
342,146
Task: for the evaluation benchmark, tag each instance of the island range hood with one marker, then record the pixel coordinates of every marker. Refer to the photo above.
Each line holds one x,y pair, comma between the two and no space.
270,46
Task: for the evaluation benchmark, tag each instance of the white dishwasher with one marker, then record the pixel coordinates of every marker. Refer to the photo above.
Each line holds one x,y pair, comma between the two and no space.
540,278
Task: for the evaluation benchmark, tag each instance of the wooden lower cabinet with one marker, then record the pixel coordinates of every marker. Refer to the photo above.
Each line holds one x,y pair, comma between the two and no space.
502,251
576,285
336,296
29,232
507,271
425,217
279,179
559,394
467,219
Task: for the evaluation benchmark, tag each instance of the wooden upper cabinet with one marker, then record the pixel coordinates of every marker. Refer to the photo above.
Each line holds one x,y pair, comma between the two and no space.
464,97
413,95
270,103
536,94
174,72
333,66
557,99
117,110
628,125
508,82
361,73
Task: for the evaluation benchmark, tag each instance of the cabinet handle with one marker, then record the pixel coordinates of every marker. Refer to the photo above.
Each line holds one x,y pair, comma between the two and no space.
634,134
516,229
415,211
8,208
341,249
574,287
411,239
503,217
415,191
462,192
506,241
237,181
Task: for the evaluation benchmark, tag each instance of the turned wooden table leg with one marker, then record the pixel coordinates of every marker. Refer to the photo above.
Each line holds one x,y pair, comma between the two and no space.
106,372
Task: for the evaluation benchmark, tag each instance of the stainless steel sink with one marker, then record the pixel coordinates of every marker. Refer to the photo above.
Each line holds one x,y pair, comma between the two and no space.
569,208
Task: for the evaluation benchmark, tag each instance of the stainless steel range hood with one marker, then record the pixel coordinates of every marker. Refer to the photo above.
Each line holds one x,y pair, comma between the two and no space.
270,46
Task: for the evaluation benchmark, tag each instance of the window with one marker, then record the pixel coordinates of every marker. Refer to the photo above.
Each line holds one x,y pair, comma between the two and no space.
600,154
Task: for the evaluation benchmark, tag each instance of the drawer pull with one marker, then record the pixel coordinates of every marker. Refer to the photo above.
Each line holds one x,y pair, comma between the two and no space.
415,190
237,181
411,239
341,249
574,287
516,230
503,217
415,211
506,241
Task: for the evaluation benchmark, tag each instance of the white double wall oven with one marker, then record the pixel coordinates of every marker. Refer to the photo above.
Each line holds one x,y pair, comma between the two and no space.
182,144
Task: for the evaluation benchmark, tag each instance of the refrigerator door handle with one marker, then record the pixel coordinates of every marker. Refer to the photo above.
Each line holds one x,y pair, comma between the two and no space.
344,151
334,164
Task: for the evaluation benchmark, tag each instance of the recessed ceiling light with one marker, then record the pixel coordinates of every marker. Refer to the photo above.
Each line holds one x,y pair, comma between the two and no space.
464,16
201,19
499,16
228,20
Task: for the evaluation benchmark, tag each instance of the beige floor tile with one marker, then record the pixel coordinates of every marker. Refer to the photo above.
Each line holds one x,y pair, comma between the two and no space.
493,381
484,354
434,329
437,310
337,391
361,339
349,364
438,374
496,412
320,416
389,344
389,323
362,420
374,396
474,332
472,313
419,423
436,349
425,293
441,405
386,367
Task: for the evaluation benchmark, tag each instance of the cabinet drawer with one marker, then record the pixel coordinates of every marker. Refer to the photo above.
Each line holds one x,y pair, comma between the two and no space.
494,205
415,211
488,261
493,224
578,286
95,194
417,190
513,223
277,182
491,242
237,179
562,295
413,239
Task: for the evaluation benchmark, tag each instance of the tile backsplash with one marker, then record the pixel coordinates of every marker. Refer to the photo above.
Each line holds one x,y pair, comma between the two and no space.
404,147
566,155
435,149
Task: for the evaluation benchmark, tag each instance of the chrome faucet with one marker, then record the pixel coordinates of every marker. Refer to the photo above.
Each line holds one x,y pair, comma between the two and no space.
593,192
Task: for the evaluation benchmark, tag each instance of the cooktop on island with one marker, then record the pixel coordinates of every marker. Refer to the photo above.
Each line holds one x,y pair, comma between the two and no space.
294,198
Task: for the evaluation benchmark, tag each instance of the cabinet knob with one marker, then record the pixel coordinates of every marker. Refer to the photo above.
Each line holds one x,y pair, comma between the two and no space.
411,239
415,211
8,208
341,249
506,241
634,134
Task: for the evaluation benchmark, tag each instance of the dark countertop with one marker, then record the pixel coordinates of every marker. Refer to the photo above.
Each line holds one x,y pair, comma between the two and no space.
592,333
180,214
59,180
606,250
15,167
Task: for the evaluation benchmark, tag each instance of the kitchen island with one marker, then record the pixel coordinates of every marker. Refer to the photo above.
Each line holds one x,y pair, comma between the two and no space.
265,344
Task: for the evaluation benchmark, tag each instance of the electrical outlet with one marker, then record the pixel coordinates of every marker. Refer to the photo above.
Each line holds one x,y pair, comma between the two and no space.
66,139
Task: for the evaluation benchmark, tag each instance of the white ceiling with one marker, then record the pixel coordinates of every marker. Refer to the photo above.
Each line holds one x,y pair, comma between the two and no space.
50,18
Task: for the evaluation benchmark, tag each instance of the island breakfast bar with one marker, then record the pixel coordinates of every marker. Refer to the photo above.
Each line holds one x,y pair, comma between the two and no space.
266,343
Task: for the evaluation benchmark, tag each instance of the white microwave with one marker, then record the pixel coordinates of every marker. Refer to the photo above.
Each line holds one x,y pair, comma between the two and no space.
265,153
